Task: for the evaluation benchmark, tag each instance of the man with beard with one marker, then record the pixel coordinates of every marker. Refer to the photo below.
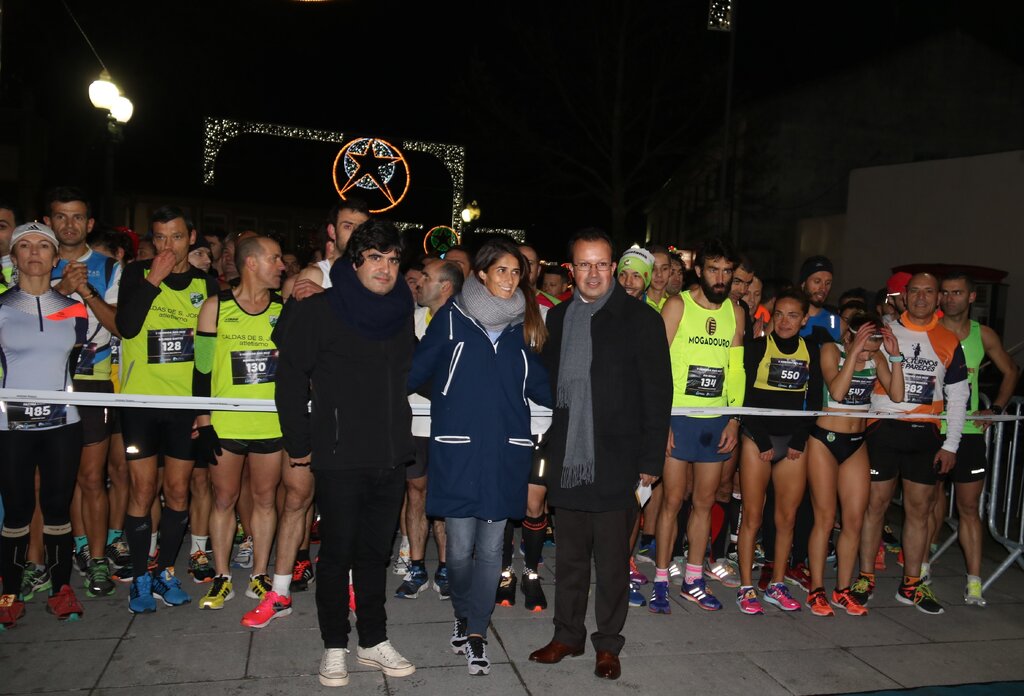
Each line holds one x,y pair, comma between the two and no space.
705,333
675,274
816,282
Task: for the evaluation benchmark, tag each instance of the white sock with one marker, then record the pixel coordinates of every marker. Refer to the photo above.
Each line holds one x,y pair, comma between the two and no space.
283,585
152,544
198,544
924,569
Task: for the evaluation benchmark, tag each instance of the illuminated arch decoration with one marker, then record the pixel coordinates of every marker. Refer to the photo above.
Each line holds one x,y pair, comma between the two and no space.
440,239
219,131
373,165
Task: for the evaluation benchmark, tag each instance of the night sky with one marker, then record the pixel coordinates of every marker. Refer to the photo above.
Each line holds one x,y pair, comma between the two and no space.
465,73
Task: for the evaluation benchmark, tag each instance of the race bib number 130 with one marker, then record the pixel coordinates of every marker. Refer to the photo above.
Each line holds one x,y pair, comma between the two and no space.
253,366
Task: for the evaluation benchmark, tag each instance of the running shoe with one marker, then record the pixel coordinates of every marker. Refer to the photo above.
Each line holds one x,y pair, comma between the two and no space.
243,556
778,594
384,657
444,590
314,531
634,573
880,558
677,570
892,543
799,576
899,558
259,586
645,553
844,599
863,589
333,670
220,591
698,593
636,597
140,595
722,571
506,594
459,636
81,559
99,583
123,574
533,593
272,606
199,568
746,600
118,554
401,564
168,589
832,557
921,596
476,656
34,579
11,609
759,559
302,575
818,603
416,581
659,603
765,578
65,605
972,593
239,532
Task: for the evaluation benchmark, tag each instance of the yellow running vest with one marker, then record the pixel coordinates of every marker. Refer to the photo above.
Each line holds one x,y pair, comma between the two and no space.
245,367
700,354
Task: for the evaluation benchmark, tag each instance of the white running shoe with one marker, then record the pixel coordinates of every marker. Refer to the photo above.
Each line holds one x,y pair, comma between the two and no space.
384,657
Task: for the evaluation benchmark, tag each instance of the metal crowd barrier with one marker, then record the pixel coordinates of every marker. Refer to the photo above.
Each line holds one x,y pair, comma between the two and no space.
1004,495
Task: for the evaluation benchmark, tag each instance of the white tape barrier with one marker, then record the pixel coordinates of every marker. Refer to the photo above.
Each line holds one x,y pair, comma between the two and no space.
418,409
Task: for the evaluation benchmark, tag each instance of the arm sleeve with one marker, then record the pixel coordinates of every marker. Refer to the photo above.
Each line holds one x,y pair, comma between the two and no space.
736,379
957,393
202,371
134,298
298,346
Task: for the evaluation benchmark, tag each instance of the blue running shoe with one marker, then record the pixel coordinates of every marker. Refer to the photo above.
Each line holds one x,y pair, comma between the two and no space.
140,595
646,552
636,597
697,592
168,589
416,580
659,599
444,590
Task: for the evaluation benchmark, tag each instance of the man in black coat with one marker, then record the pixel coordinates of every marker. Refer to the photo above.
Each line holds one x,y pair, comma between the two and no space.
608,359
349,349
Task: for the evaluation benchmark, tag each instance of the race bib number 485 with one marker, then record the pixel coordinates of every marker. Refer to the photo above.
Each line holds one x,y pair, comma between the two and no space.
34,416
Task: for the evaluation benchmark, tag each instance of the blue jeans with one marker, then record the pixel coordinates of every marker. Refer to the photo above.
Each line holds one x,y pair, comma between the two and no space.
474,568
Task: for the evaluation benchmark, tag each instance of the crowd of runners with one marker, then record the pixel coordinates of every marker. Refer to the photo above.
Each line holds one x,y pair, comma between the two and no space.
724,505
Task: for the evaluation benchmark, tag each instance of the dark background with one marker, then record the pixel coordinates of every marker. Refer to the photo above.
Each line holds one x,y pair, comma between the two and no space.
527,88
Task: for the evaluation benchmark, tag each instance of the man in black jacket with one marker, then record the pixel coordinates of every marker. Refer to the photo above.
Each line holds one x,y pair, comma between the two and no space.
608,359
349,349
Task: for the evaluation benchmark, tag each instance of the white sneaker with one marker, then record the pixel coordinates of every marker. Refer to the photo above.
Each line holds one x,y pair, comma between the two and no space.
722,571
401,564
333,671
476,656
676,570
972,593
384,657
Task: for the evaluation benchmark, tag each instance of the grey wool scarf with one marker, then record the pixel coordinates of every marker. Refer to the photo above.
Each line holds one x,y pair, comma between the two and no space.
574,391
495,313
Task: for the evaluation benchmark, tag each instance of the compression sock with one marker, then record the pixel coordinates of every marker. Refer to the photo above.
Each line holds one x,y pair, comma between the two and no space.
59,545
533,540
137,534
173,524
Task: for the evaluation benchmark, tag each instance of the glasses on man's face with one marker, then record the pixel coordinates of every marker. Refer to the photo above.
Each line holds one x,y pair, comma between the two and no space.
585,266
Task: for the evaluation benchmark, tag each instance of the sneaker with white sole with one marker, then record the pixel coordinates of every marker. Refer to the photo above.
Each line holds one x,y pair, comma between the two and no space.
402,560
384,657
778,594
972,593
722,571
476,656
333,670
459,636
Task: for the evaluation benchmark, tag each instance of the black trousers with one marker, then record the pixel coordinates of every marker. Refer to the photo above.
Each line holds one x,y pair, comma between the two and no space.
603,536
359,511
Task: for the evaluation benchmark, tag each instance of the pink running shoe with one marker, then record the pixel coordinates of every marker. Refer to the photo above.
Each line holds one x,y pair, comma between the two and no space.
635,575
270,607
746,600
778,594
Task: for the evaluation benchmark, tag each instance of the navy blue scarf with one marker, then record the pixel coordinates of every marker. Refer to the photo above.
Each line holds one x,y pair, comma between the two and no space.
377,317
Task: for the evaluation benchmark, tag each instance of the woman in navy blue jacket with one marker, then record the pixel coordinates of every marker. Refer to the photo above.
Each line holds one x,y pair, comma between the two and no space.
480,356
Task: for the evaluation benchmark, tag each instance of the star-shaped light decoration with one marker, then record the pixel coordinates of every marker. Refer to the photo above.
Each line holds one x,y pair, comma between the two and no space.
372,164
